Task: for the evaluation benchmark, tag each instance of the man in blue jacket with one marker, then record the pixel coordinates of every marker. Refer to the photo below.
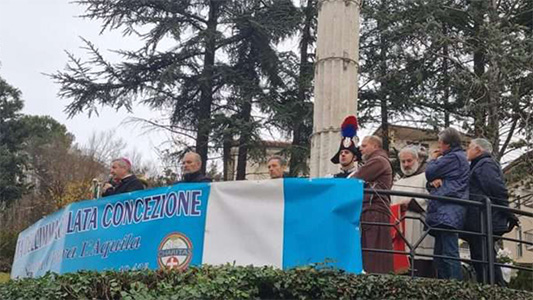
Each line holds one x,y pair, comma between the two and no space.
486,180
447,175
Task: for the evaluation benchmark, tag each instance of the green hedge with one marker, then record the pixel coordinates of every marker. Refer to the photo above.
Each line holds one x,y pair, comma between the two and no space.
523,280
228,282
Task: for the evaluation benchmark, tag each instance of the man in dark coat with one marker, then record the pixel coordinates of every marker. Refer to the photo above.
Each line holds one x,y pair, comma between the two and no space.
486,180
192,165
447,175
377,174
123,181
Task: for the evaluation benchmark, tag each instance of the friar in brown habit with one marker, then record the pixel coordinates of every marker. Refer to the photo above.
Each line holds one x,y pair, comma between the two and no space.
377,174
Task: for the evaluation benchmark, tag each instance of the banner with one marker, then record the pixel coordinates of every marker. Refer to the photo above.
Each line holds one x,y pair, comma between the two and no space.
282,223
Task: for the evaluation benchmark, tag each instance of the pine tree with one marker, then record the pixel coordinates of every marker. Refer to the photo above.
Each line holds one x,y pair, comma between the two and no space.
254,67
302,108
188,79
290,106
385,81
467,63
490,51
12,137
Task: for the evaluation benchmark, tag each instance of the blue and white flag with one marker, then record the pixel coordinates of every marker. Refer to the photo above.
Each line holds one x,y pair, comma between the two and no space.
282,223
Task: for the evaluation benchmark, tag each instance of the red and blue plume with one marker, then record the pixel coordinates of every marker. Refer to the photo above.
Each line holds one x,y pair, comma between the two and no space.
349,127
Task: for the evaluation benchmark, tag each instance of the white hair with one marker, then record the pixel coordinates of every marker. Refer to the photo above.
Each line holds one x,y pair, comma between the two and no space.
195,155
411,150
483,144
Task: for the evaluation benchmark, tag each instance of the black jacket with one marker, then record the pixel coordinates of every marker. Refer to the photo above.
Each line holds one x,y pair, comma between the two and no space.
194,177
344,174
125,185
486,179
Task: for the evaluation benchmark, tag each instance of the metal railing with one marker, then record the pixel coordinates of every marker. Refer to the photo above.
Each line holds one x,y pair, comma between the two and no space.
488,256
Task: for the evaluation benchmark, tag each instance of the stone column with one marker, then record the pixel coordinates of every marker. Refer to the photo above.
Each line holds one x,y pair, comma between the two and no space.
336,85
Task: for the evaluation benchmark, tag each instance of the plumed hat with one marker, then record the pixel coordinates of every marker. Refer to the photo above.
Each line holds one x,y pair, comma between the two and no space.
349,139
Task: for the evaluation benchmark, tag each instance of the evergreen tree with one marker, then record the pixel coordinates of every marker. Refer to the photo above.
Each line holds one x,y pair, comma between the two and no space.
187,79
302,108
467,63
290,105
385,79
489,47
254,67
12,137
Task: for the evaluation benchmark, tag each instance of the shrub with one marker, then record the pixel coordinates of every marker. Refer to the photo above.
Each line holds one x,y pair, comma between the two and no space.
229,282
523,280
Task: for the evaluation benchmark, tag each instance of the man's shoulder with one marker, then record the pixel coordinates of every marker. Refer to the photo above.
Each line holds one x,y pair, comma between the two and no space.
205,178
381,159
133,182
197,178
459,155
486,164
452,160
488,160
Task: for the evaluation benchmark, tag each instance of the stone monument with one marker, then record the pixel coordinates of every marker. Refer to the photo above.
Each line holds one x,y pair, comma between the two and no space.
336,78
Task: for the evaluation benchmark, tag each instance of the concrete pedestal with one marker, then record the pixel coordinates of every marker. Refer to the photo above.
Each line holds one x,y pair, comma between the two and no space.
336,85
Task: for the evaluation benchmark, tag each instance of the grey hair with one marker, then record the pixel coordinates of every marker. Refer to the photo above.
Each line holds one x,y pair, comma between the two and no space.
414,151
484,144
123,163
450,136
281,160
195,155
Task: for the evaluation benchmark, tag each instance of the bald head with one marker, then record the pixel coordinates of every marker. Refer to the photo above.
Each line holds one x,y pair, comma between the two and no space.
191,162
375,140
369,145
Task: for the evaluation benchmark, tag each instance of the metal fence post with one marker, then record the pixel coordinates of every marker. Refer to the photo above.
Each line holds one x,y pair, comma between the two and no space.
490,239
484,258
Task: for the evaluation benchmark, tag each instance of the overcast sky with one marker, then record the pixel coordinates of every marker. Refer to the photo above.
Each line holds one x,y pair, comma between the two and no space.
34,35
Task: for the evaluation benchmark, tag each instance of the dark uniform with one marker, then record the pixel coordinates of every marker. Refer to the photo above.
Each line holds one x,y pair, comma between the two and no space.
127,184
194,177
344,174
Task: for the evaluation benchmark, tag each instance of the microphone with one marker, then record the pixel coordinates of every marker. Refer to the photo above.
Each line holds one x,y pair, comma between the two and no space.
96,186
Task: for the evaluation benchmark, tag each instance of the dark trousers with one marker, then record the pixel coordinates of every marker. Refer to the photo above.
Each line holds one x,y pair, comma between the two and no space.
447,244
424,268
477,247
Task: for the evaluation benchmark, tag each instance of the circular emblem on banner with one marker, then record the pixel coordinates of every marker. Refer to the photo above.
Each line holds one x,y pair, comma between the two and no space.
347,142
175,251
